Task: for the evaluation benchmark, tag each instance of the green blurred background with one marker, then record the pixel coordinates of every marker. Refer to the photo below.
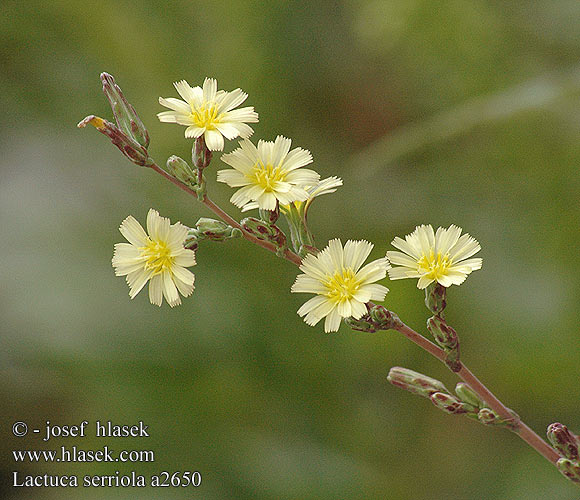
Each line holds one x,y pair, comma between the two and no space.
444,112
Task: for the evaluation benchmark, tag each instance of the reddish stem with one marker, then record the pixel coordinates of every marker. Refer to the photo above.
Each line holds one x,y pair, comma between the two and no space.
288,255
520,428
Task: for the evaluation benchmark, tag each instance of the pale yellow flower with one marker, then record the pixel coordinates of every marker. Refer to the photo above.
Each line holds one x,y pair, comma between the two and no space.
325,186
268,173
158,258
342,288
209,112
441,257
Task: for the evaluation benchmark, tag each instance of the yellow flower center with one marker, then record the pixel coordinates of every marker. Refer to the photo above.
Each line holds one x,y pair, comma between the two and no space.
205,117
158,254
435,265
342,286
267,176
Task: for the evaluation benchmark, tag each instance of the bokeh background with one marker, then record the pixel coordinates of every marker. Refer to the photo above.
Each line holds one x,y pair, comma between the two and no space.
462,112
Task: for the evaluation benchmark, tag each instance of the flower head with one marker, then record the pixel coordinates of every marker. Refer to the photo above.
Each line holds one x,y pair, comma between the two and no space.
268,173
158,257
441,256
342,288
209,112
325,186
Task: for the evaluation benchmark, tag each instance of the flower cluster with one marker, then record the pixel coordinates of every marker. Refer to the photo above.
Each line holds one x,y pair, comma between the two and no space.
271,177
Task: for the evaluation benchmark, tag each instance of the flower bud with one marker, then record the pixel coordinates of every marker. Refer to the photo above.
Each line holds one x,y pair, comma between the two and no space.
450,404
569,469
179,169
415,382
131,149
435,298
264,231
563,440
488,417
127,119
270,216
200,154
215,230
444,335
467,395
383,318
363,324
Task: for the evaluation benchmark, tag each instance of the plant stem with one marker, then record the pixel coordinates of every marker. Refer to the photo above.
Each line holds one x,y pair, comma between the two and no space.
520,428
288,254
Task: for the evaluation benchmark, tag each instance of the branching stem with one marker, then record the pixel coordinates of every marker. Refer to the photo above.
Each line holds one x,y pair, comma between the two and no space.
288,254
519,427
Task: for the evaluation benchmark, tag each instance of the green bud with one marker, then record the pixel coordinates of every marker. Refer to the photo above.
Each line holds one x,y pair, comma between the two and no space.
569,469
378,318
210,229
415,382
443,334
452,359
435,298
264,231
300,236
361,325
488,417
131,149
216,230
200,154
270,216
383,318
563,440
179,169
450,404
191,242
467,395
127,119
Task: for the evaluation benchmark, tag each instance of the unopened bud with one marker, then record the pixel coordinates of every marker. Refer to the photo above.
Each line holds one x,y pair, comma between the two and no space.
179,169
127,119
563,440
488,417
200,154
569,469
131,149
264,231
450,404
435,298
216,230
384,319
415,382
270,216
467,395
363,324
444,335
